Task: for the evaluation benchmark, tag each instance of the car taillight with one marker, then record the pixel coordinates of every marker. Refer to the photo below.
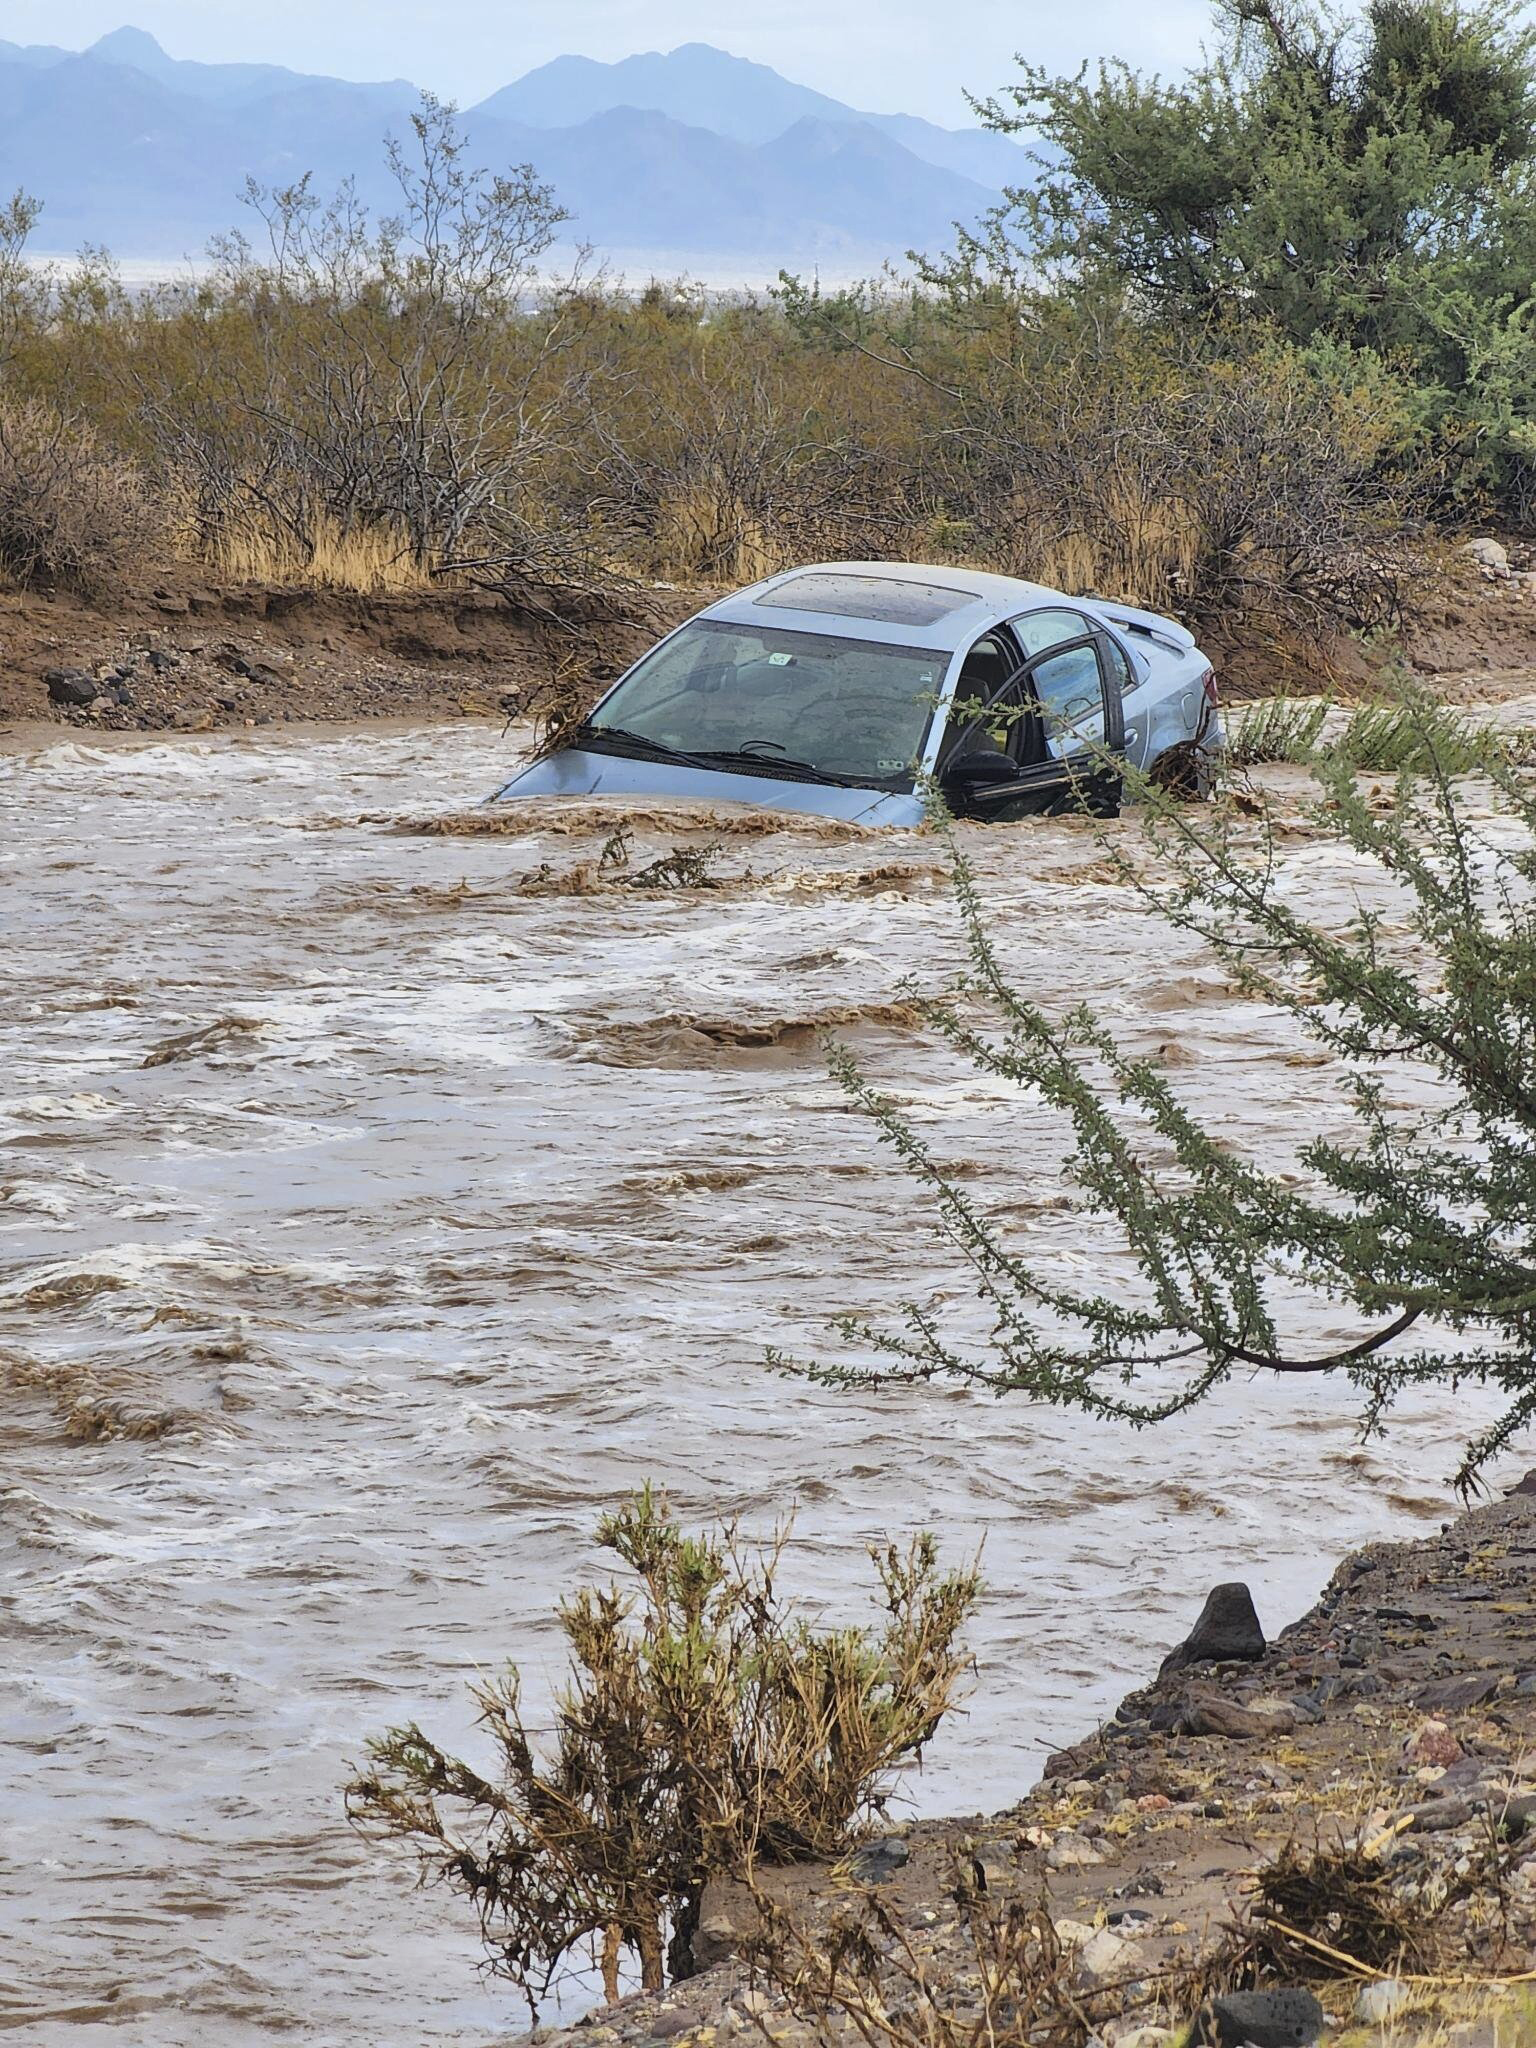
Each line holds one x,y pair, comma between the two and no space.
1209,682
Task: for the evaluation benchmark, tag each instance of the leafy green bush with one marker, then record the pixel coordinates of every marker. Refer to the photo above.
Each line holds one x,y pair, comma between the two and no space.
704,1727
1418,737
1420,1229
1360,183
1275,729
1377,739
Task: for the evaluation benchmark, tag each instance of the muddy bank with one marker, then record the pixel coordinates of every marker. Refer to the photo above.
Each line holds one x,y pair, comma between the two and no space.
192,656
185,654
1391,1732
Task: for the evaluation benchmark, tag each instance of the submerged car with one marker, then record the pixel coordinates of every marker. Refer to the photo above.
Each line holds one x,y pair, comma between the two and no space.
847,688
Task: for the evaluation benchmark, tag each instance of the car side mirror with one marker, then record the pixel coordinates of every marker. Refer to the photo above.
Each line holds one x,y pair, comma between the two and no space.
976,769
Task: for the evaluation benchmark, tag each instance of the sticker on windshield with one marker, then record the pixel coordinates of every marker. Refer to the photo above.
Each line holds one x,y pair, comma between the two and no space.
778,659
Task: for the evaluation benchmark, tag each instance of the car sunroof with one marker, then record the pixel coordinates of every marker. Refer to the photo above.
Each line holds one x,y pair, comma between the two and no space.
880,598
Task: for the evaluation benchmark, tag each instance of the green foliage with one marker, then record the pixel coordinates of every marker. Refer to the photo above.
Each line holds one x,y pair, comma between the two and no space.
1361,182
1422,1227
705,1727
1419,737
1390,738
1275,729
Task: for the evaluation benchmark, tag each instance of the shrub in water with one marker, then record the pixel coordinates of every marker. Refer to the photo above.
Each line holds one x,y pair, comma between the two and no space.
704,1727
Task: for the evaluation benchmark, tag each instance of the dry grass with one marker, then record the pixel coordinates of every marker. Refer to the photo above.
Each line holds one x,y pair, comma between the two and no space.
709,535
373,561
1347,1900
1138,540
1011,1983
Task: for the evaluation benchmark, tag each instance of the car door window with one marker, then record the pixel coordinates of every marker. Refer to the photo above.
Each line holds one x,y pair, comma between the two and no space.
1037,631
1070,690
987,667
1122,670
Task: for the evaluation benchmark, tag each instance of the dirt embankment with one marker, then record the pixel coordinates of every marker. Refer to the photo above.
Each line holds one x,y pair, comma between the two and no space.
1350,1812
188,656
182,654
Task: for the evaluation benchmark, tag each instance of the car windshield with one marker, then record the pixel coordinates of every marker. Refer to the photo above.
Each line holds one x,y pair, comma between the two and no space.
851,709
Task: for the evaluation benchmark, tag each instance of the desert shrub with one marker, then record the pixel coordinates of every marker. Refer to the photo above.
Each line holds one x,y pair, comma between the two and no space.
1275,729
1358,180
1390,738
374,402
364,397
1251,490
1419,1227
1416,737
738,449
71,513
704,1727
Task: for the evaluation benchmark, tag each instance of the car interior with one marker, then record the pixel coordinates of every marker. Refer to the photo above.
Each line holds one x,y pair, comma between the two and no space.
986,670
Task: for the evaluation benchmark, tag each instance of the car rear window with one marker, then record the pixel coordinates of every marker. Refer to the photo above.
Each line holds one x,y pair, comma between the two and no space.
883,598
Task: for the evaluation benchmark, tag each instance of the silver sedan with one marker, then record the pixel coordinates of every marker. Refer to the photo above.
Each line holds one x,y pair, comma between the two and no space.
849,689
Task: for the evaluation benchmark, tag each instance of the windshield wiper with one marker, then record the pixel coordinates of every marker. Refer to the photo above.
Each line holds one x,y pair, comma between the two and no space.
799,771
623,741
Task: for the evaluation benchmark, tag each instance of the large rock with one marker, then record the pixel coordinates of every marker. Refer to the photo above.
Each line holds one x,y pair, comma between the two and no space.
877,1862
1072,1852
1432,1743
1228,1631
1456,1694
71,686
1288,2018
1098,1954
1212,1715
1105,1956
1490,556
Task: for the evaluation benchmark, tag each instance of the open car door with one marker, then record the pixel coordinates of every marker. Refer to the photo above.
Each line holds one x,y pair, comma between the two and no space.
1049,739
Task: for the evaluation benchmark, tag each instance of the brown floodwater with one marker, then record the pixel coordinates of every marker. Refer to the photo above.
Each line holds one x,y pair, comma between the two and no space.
368,1222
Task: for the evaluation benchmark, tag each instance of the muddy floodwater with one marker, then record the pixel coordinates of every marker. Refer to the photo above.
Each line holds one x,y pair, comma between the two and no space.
370,1217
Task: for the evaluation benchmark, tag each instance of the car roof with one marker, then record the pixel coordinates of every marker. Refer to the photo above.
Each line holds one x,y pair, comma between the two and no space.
982,600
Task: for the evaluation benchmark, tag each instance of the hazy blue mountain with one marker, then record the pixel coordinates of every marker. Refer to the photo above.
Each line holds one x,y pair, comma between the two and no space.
708,88
118,158
129,147
231,84
35,54
637,180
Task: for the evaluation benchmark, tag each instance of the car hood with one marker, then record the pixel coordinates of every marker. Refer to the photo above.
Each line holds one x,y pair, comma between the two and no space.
574,772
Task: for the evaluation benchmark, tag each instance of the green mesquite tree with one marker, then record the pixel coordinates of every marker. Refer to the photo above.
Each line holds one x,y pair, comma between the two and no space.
1423,1227
1365,184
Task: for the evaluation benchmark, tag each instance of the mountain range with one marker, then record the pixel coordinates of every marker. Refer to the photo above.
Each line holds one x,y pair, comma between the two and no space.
690,159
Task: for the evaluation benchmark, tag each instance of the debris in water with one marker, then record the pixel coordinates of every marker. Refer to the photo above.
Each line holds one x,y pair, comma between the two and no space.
191,1045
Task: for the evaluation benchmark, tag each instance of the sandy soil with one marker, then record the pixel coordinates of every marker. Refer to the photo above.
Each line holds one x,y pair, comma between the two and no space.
183,655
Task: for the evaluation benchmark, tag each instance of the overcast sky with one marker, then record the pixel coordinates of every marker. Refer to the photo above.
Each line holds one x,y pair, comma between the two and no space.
886,56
